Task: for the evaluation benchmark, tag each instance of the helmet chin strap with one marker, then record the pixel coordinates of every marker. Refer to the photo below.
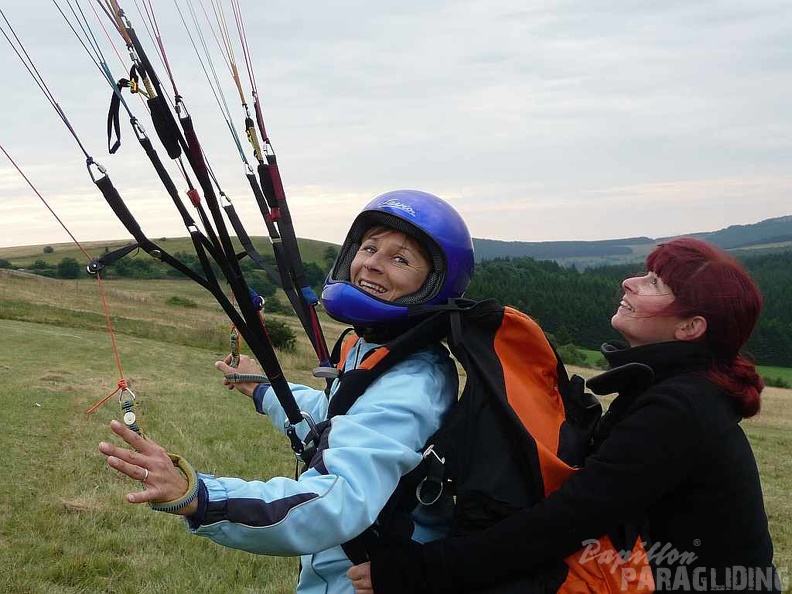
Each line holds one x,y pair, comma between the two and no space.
385,333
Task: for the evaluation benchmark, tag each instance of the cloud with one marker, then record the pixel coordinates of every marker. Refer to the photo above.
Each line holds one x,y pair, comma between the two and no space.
527,116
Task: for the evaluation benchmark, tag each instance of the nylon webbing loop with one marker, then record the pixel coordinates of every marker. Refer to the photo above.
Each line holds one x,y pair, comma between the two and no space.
113,125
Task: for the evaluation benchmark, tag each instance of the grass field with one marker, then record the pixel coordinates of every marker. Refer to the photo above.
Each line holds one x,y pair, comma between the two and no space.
64,525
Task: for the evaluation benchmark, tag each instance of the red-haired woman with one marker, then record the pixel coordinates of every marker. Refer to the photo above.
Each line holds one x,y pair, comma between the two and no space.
671,459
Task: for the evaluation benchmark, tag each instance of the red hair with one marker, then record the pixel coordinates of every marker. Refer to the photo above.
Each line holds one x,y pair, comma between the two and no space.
710,283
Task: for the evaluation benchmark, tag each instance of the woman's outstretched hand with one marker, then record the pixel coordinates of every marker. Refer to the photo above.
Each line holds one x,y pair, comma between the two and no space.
149,463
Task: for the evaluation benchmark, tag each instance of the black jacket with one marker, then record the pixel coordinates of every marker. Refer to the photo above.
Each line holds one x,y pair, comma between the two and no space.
670,452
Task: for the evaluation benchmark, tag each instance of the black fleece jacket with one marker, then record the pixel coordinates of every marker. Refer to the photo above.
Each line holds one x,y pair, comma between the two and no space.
670,453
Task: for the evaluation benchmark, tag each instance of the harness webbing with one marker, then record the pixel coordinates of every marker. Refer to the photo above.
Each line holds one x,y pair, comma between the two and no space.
246,319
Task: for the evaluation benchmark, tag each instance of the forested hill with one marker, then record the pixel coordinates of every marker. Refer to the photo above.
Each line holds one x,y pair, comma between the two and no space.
576,307
765,236
766,233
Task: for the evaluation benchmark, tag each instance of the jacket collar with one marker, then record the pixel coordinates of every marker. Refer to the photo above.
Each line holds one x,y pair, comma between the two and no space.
636,368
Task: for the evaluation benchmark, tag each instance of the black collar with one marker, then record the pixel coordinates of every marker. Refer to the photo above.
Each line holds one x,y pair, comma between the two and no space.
636,368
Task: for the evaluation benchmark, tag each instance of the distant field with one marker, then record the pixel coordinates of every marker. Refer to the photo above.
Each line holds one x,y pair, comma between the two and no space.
784,373
592,356
311,250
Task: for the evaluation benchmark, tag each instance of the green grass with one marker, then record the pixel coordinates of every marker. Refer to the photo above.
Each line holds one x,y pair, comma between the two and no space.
784,373
64,526
591,357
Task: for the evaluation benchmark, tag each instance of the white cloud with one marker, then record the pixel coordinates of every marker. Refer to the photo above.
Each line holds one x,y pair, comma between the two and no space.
528,116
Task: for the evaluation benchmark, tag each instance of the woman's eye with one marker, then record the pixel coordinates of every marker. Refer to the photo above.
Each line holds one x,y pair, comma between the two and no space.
369,249
401,260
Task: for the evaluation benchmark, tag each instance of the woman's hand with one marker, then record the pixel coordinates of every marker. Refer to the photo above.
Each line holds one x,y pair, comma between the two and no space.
149,463
360,576
246,366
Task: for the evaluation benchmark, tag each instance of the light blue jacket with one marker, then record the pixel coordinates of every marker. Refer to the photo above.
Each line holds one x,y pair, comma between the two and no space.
370,448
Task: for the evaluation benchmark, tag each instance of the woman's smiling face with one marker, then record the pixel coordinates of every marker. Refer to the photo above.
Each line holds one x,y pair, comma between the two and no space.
640,317
389,264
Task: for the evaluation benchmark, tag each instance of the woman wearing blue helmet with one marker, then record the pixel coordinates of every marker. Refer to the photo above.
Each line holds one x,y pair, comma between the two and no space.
422,218
406,248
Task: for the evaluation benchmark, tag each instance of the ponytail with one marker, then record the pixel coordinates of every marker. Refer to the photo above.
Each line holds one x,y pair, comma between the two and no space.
740,380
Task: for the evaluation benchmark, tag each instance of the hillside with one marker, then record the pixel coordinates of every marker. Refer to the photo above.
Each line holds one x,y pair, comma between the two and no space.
763,237
311,250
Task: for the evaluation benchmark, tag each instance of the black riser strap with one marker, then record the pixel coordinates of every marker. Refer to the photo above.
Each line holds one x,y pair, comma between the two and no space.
166,180
252,330
266,186
115,201
165,126
263,208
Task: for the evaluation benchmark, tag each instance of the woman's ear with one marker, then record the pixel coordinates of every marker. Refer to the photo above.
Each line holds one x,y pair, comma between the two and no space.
691,329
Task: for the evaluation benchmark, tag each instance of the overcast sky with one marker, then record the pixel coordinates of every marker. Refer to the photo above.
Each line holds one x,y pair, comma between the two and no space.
537,119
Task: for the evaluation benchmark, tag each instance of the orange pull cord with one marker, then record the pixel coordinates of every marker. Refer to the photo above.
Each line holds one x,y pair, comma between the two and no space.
122,383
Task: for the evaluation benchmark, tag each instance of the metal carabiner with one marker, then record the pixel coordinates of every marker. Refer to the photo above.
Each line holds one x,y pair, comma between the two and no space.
234,344
126,399
431,479
89,162
140,131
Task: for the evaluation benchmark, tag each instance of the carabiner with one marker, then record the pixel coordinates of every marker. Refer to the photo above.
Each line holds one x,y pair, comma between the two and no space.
89,162
126,399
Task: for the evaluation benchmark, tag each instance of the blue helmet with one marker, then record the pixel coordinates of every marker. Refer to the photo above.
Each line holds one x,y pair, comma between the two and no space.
435,225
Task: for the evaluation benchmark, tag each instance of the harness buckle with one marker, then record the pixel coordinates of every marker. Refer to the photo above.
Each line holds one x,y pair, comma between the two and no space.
430,488
297,444
326,372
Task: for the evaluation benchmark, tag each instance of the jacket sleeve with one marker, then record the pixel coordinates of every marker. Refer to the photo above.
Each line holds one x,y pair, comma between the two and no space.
647,453
369,449
310,400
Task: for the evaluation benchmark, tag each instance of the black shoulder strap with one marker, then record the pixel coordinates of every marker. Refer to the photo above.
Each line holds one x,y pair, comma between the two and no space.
352,385
335,355
379,360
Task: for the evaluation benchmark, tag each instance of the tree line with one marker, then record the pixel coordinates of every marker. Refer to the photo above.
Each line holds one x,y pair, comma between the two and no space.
576,307
141,266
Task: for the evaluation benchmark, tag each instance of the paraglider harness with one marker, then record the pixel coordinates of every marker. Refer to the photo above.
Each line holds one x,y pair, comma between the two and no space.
519,430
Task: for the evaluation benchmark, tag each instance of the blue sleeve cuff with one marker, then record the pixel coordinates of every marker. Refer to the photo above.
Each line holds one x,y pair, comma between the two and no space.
258,397
194,521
